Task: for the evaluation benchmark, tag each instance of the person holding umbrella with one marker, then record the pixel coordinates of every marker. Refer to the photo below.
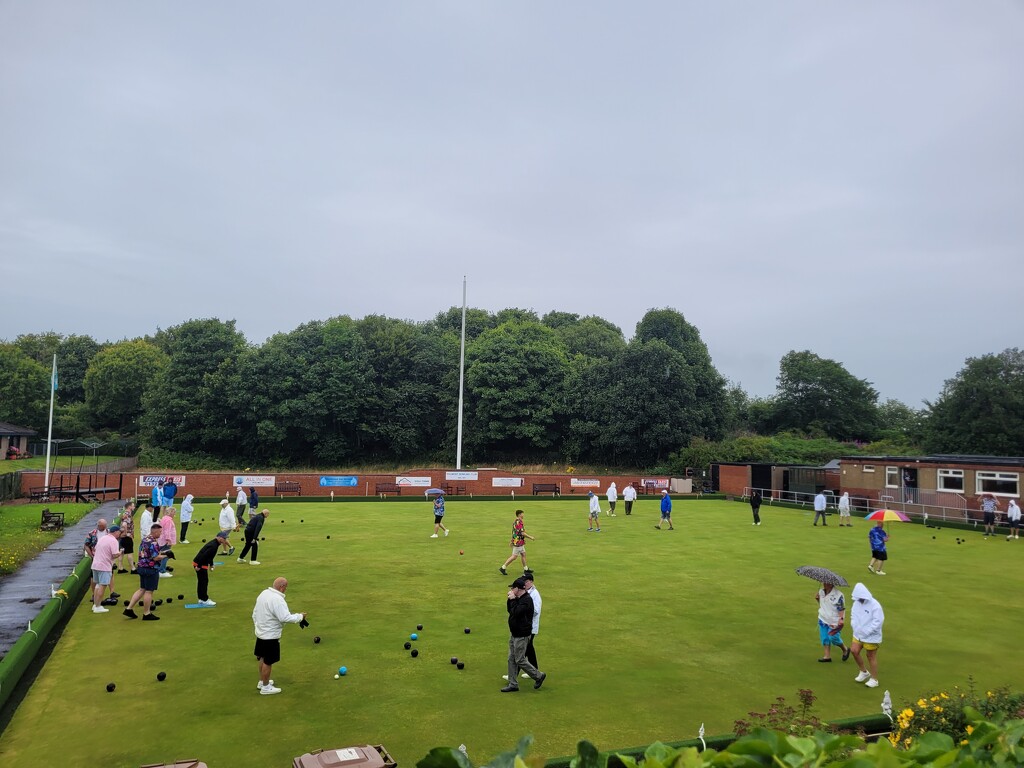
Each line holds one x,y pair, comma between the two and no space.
831,618
439,516
877,536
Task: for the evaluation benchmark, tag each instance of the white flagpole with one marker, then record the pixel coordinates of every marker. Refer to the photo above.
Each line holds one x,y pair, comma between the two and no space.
462,373
49,433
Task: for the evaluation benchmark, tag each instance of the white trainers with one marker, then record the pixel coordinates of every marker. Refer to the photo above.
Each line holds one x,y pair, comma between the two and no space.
259,683
240,560
255,562
504,677
862,676
870,568
207,603
434,536
872,683
100,609
879,573
446,532
166,575
268,690
185,541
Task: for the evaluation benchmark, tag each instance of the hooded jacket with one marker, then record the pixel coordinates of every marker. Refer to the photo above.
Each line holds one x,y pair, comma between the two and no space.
866,615
187,509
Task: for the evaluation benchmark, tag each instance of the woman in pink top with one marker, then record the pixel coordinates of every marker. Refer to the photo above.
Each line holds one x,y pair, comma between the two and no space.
168,538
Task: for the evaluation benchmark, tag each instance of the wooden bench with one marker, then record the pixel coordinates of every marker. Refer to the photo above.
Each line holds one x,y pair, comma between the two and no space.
51,521
381,488
453,490
55,493
552,488
288,486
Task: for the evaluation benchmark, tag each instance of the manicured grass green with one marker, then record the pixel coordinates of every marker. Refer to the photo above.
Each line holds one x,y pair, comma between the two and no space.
645,635
57,463
20,537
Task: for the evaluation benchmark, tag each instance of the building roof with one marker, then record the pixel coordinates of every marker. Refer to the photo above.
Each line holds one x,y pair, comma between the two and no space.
941,458
15,430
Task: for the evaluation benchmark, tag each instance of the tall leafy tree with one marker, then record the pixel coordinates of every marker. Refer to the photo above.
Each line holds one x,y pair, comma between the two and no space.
40,346
409,409
515,378
115,382
73,357
592,337
24,389
981,409
450,321
816,393
181,412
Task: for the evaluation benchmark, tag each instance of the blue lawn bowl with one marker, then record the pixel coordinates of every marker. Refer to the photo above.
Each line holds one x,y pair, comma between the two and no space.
342,671
414,636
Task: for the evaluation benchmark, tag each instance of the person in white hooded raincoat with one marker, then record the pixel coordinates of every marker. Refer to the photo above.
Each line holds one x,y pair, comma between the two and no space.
866,619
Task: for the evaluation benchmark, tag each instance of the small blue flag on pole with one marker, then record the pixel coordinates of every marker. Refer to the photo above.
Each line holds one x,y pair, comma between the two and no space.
55,376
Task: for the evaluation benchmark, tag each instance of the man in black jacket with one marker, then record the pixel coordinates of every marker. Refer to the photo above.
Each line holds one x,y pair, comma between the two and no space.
520,625
252,536
203,564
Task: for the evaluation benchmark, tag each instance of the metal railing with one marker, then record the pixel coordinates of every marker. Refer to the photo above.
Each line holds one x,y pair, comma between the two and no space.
956,510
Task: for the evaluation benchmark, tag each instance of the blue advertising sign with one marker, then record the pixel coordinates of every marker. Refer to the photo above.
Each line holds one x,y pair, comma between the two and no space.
338,480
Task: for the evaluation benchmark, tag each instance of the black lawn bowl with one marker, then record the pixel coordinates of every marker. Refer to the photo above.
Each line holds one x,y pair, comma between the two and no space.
161,676
110,687
419,627
328,537
170,600
466,630
302,521
461,665
263,539
316,639
408,645
414,653
204,541
181,597
159,602
455,659
125,603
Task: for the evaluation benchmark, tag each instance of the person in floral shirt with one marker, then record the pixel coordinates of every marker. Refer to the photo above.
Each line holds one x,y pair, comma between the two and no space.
149,575
519,537
127,541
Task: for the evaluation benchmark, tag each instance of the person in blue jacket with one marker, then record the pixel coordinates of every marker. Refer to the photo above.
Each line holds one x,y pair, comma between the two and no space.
666,511
157,497
170,491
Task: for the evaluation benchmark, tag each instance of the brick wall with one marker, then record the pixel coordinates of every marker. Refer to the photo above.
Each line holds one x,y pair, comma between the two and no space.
733,479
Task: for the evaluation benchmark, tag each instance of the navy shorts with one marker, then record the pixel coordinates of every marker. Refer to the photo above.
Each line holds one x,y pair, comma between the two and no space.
879,554
149,579
438,519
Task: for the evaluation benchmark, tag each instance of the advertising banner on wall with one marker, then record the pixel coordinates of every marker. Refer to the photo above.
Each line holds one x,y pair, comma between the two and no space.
506,482
349,481
459,475
149,481
585,482
259,481
419,482
655,482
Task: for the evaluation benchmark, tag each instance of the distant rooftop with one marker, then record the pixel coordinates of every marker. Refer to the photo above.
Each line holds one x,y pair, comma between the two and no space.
15,430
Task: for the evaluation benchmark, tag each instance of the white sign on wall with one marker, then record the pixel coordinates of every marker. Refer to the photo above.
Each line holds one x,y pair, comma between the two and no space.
151,481
259,481
506,482
461,475
406,480
651,482
585,482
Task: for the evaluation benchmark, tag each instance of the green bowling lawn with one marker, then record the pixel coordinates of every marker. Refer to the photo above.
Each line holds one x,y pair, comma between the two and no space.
645,635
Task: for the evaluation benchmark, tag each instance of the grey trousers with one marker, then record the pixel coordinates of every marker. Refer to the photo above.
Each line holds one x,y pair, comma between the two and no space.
517,660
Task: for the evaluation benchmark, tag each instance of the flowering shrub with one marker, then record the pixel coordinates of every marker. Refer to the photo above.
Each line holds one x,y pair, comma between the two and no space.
943,712
784,717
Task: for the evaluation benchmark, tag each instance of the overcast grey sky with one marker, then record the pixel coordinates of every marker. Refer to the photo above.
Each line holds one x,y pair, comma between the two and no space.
841,177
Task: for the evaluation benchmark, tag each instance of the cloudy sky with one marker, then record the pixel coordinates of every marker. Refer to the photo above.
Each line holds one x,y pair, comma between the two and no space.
841,177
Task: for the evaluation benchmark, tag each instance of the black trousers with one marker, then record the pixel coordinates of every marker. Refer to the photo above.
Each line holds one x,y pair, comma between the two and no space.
252,544
757,513
184,530
531,654
203,585
629,507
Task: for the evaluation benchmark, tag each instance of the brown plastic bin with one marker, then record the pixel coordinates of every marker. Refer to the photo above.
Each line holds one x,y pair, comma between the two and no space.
366,756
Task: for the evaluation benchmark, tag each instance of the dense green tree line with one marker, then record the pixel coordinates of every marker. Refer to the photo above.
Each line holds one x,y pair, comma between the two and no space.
555,388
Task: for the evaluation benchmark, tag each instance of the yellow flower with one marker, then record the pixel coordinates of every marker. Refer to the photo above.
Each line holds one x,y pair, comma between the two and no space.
970,729
937,709
990,694
934,698
943,695
922,704
963,742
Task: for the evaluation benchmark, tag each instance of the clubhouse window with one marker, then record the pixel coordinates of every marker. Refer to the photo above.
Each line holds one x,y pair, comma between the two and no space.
998,483
951,480
892,477
869,468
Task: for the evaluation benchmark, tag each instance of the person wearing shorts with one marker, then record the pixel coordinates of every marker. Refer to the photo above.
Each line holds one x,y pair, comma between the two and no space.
1013,519
269,617
519,537
989,507
127,541
666,511
866,618
149,576
594,518
439,516
831,617
877,536
103,567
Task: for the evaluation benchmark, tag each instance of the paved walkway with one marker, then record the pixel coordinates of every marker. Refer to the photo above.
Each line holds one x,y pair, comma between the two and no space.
23,594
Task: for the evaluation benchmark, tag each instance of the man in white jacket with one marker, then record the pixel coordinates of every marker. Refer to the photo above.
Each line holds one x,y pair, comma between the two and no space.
866,618
629,496
226,520
613,496
269,617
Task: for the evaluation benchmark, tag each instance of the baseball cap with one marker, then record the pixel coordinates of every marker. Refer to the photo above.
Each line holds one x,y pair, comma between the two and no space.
528,576
519,583
590,493
663,490
224,502
114,529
